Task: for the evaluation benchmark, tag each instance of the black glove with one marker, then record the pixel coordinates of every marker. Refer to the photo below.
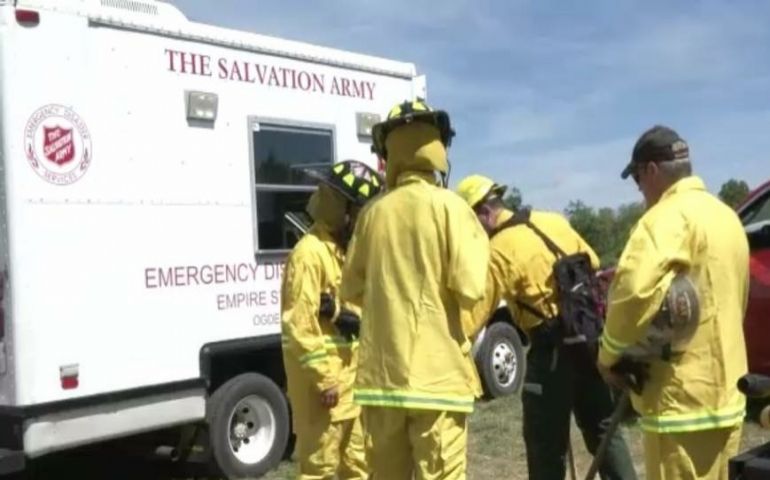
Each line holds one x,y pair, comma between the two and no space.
348,324
328,307
635,373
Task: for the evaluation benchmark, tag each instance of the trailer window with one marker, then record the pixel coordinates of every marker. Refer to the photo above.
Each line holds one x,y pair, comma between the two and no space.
282,190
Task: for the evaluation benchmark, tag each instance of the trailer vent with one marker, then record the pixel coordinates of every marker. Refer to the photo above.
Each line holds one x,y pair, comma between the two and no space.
132,5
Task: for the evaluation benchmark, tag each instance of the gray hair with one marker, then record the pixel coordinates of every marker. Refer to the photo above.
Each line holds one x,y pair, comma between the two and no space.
676,169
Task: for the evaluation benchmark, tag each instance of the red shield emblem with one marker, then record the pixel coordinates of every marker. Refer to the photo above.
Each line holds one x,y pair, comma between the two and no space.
58,146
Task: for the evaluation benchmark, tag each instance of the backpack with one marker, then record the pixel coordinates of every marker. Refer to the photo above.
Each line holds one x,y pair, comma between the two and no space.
579,319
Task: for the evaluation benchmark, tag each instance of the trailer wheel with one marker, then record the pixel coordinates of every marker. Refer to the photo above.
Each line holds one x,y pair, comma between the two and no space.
501,360
248,419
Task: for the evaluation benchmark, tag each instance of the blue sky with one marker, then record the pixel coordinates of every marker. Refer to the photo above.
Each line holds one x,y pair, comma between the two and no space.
550,96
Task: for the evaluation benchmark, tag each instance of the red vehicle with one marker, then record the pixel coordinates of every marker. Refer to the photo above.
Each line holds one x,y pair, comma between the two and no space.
755,216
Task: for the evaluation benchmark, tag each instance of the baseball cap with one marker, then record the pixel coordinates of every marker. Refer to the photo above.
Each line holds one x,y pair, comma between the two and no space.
658,144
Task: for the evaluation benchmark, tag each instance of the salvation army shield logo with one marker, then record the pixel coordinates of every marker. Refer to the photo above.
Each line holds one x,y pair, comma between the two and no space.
57,144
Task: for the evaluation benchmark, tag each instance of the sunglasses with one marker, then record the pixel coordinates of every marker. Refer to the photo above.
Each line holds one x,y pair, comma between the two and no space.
635,173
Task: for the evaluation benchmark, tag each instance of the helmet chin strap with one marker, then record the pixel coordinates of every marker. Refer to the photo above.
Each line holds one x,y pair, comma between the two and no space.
344,234
445,176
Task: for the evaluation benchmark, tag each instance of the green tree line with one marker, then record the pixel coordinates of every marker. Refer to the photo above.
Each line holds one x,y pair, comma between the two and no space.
607,229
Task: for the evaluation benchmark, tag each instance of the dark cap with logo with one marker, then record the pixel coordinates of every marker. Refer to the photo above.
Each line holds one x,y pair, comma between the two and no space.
658,144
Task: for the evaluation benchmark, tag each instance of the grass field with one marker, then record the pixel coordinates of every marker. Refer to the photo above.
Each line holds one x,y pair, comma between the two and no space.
496,446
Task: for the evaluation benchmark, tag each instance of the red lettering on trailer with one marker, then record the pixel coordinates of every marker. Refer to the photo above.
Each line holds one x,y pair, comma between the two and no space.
304,81
222,68
205,65
247,72
187,62
261,298
171,54
273,81
370,87
335,87
362,89
235,71
165,280
357,88
150,278
191,275
273,271
261,70
190,63
262,319
179,277
346,88
318,82
292,73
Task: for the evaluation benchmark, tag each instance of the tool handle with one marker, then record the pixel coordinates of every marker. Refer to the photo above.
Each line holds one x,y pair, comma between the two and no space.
615,419
635,373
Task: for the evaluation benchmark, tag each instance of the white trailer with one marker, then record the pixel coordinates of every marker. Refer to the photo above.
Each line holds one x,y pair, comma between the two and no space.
150,191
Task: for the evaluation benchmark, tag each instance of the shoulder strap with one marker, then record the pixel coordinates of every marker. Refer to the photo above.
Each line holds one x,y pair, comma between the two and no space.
529,308
521,217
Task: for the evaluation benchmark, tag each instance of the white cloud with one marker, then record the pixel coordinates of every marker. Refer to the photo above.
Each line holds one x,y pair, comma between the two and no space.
551,178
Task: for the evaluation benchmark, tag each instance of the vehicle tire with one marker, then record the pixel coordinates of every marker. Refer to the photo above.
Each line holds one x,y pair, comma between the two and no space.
501,361
248,419
292,440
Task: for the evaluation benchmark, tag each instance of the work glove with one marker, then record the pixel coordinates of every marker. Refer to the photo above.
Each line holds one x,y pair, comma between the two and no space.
328,307
348,324
635,373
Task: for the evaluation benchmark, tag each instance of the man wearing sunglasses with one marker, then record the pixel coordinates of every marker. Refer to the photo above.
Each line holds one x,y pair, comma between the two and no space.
691,410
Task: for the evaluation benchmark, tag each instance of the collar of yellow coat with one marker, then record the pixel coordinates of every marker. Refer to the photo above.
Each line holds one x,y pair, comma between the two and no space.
324,236
503,216
412,177
684,185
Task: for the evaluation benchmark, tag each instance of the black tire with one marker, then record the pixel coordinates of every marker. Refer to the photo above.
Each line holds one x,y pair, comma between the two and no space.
292,441
501,338
220,411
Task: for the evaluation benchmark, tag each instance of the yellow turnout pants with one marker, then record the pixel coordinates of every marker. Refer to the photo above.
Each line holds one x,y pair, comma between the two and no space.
325,449
422,444
701,455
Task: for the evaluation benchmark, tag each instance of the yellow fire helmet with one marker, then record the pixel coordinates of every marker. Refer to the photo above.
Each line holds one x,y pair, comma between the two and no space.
475,188
355,180
407,112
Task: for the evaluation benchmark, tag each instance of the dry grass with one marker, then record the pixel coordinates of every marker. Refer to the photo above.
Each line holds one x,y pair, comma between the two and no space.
496,446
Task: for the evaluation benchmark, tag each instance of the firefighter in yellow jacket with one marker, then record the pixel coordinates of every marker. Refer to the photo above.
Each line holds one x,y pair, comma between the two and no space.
560,377
318,350
417,265
689,246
